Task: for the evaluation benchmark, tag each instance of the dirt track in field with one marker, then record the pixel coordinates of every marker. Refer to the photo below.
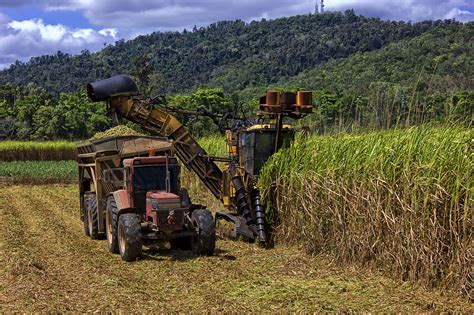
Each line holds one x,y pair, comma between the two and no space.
49,265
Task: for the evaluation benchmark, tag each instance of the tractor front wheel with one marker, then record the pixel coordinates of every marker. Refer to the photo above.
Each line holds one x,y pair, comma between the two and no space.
111,225
129,236
204,242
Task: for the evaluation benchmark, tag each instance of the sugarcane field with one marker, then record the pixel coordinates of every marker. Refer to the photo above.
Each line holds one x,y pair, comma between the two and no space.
319,162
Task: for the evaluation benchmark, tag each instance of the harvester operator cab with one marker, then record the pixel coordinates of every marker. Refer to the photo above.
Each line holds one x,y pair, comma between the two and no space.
254,145
257,145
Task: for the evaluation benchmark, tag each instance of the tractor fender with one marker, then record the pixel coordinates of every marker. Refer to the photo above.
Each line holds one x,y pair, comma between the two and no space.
122,200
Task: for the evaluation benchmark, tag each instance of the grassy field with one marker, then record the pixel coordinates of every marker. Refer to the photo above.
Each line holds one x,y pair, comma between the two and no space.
39,169
44,162
37,151
401,200
65,150
48,265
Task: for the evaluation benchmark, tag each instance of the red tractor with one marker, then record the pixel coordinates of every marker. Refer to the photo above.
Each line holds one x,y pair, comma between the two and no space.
139,201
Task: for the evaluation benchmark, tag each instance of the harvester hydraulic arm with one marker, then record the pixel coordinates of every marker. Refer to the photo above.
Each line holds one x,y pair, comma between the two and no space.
161,123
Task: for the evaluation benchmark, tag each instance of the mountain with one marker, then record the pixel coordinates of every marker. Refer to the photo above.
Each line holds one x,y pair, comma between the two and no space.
236,55
438,61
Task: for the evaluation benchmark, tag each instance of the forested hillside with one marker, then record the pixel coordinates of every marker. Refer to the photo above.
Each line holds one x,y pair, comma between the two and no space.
246,54
440,60
364,72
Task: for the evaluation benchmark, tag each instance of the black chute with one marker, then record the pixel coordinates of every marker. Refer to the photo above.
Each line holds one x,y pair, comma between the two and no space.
120,85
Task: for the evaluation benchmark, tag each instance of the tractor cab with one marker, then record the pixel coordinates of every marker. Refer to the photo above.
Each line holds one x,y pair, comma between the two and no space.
154,187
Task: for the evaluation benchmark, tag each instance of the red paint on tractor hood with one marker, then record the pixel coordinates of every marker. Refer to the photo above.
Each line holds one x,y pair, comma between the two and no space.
163,195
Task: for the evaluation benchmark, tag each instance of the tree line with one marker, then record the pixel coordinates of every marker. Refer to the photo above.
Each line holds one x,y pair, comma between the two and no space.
72,116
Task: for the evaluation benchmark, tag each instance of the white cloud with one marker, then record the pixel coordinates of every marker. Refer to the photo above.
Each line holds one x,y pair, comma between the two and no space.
461,15
135,17
24,39
413,10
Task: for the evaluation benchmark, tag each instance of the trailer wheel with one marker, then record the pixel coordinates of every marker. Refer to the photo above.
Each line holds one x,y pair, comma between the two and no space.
93,217
85,221
111,225
204,242
129,236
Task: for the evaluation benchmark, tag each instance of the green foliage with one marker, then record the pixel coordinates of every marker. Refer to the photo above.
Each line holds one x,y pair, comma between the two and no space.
213,145
439,60
209,104
365,74
229,54
39,169
35,151
42,117
393,198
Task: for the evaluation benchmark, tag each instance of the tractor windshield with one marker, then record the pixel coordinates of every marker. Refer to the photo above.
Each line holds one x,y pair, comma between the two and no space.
153,177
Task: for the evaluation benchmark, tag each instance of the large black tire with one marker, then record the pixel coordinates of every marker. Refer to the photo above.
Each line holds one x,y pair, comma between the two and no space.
204,242
111,217
129,236
85,221
93,217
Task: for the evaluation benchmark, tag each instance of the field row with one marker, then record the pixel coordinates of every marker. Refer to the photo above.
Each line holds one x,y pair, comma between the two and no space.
39,169
65,150
50,266
37,151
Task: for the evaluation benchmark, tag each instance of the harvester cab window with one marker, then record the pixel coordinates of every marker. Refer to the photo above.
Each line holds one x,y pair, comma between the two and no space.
264,147
259,146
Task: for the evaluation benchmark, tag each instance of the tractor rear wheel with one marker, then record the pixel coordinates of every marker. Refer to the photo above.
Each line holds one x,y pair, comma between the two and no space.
204,242
93,217
129,236
111,225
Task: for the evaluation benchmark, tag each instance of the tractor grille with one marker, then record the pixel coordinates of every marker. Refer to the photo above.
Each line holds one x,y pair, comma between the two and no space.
162,217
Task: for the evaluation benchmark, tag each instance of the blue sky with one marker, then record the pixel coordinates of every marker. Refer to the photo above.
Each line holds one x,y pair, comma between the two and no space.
36,27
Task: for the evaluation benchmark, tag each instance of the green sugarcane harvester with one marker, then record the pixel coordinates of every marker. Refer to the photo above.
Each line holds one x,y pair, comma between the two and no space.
249,145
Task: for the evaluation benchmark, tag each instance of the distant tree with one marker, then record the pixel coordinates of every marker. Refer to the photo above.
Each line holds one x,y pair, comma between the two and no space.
142,70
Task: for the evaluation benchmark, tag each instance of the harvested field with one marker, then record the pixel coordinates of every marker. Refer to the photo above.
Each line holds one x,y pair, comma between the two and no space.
48,265
8,181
